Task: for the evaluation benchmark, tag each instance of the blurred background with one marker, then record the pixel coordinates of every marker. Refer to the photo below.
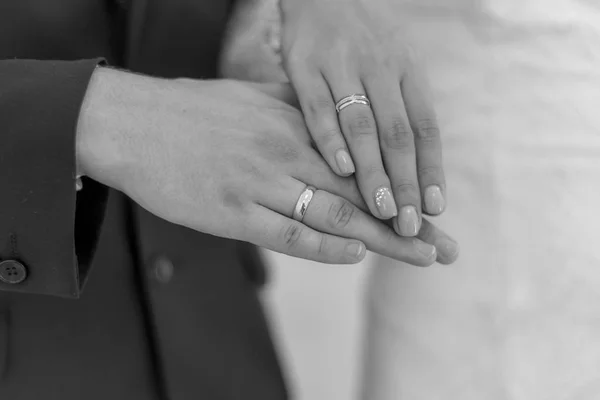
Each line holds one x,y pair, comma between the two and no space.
316,314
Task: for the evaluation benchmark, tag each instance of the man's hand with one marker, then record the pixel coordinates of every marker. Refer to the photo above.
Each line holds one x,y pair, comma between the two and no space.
230,159
335,48
252,43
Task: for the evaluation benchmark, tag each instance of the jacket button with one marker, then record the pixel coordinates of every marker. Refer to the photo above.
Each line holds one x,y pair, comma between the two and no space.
163,270
12,272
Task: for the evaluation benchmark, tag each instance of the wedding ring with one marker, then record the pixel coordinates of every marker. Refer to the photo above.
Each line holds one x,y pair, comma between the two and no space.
352,99
303,202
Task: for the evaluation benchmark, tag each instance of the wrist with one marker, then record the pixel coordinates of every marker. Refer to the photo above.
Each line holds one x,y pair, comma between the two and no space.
98,139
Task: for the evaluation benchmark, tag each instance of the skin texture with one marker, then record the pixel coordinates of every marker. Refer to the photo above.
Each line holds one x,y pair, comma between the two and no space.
331,49
335,48
230,159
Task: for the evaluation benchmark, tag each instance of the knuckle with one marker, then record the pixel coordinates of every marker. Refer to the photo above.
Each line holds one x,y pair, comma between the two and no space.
399,136
376,61
427,130
292,234
427,233
406,188
341,213
372,173
362,125
431,173
323,246
318,105
295,59
249,168
408,55
387,61
328,135
294,119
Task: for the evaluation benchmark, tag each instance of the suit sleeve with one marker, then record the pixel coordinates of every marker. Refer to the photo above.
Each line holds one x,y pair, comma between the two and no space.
48,230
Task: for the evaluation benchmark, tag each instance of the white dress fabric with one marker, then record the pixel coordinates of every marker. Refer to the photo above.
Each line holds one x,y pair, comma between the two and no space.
517,89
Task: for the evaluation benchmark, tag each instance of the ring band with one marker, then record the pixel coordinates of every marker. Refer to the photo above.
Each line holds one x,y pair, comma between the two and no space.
352,99
303,202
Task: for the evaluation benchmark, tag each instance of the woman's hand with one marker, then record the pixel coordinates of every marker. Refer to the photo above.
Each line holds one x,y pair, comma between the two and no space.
336,48
230,159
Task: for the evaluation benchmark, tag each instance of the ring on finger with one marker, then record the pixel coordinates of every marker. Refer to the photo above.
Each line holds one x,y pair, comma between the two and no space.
352,99
303,203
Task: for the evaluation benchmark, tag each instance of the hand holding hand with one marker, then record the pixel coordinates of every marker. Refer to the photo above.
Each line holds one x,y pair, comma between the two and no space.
230,159
336,48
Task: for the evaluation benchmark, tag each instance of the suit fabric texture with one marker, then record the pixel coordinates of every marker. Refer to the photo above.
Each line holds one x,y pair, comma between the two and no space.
166,312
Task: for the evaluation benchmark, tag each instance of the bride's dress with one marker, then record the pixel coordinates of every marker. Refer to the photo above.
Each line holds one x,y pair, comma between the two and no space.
517,88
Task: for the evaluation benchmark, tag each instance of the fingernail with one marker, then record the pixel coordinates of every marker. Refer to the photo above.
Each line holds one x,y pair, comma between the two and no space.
344,162
408,221
425,249
385,203
434,200
355,251
447,250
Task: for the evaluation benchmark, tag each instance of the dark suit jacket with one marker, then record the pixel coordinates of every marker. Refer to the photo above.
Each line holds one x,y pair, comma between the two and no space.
167,313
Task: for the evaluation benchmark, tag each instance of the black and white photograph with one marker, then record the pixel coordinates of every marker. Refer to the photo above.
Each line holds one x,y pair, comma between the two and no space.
299,199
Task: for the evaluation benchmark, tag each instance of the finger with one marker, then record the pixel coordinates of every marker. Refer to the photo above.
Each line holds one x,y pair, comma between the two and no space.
321,120
359,128
337,216
447,248
316,173
421,114
397,149
287,236
281,91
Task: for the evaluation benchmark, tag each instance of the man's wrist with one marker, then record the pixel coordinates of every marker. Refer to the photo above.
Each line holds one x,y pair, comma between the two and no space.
113,129
96,147
82,132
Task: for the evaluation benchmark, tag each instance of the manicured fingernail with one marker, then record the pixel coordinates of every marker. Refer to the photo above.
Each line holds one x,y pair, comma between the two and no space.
344,162
385,203
425,249
356,251
447,250
434,200
408,221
